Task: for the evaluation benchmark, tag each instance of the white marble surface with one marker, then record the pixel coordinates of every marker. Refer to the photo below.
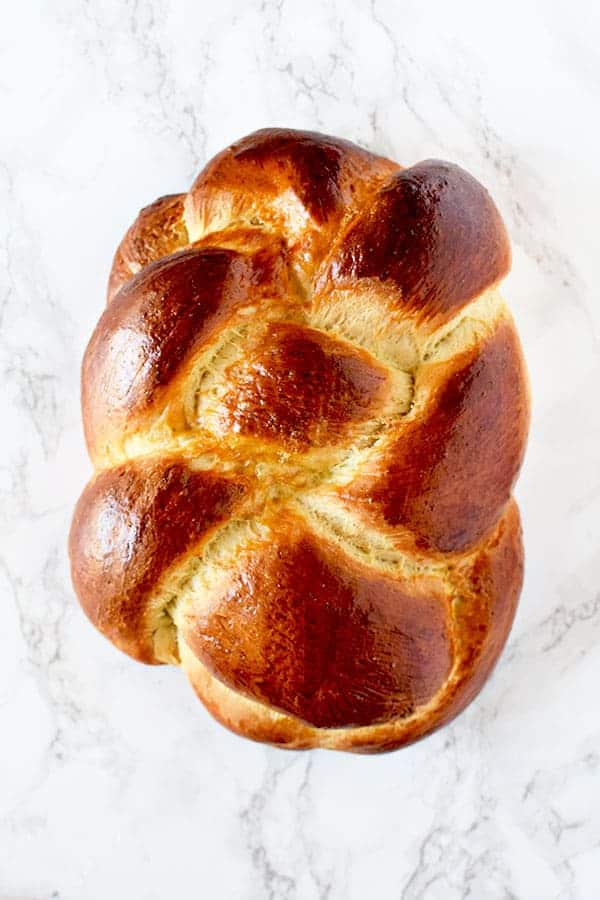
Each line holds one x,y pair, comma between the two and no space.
113,781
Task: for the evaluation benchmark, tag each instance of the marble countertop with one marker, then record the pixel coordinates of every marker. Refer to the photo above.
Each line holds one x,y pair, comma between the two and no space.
114,782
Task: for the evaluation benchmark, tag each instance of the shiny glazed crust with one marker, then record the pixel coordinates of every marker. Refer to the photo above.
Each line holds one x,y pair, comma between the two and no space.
306,406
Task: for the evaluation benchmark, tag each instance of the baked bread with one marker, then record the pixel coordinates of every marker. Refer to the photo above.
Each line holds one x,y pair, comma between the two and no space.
306,406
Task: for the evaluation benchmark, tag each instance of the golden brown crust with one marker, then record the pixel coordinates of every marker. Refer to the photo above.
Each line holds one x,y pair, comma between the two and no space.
130,525
299,183
433,233
449,473
158,231
301,387
161,318
313,633
486,589
308,408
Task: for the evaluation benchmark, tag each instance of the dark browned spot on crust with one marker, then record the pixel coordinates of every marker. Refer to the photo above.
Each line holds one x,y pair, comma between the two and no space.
310,160
486,588
158,231
433,232
130,524
324,172
159,320
450,472
323,638
302,387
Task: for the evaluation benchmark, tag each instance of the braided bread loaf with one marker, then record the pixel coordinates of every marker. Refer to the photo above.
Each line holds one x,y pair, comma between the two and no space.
306,405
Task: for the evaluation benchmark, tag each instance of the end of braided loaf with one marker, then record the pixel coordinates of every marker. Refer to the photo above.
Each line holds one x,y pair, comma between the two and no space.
306,405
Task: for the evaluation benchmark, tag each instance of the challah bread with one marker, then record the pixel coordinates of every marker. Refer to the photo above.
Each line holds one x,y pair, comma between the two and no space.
306,406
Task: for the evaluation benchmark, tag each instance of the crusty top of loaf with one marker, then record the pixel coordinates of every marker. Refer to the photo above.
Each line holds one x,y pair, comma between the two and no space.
306,405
